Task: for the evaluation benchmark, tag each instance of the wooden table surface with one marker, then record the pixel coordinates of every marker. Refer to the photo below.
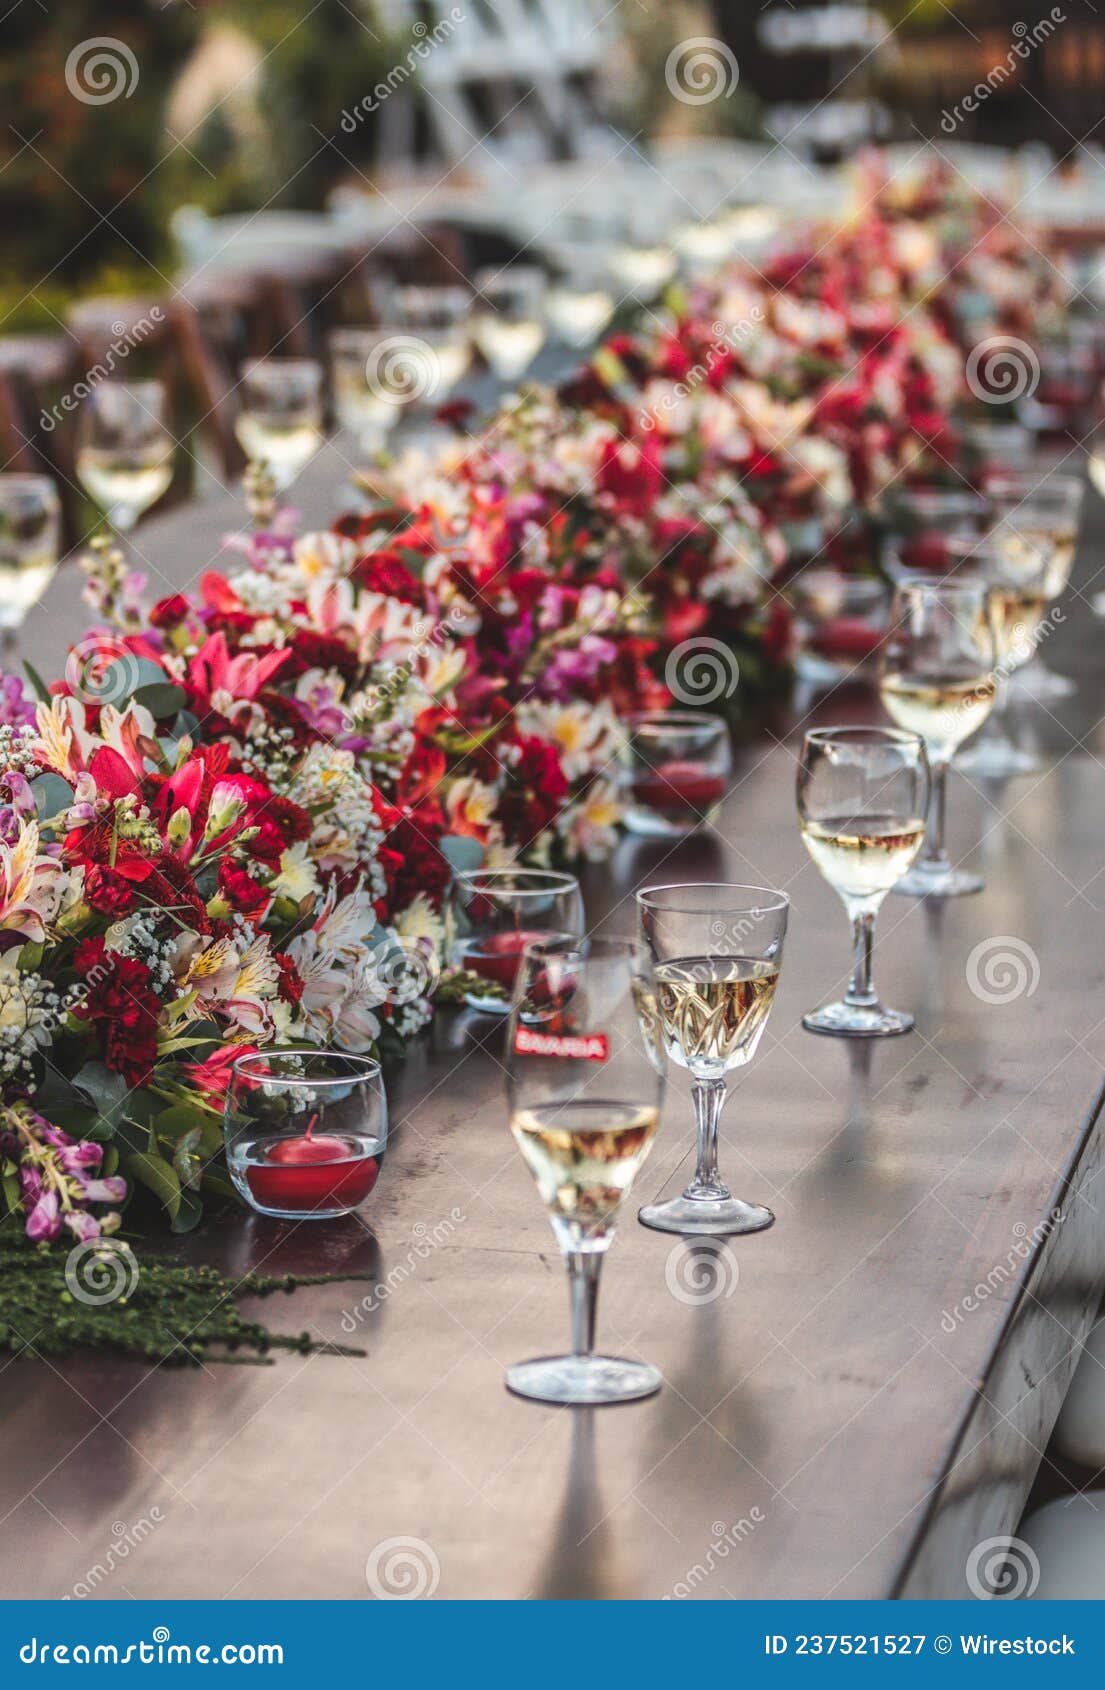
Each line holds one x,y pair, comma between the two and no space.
853,1400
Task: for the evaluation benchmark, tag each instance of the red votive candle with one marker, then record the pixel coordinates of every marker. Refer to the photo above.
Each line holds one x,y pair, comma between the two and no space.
308,1173
846,637
678,788
498,956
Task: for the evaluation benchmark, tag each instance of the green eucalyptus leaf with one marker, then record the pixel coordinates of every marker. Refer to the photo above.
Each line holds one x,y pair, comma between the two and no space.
157,1176
52,795
460,852
161,698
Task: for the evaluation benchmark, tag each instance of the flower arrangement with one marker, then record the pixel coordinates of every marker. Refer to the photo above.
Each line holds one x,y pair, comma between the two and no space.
231,825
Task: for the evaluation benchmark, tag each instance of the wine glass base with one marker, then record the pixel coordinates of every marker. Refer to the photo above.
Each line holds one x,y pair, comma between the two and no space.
646,824
997,759
583,1380
947,882
851,1021
488,1005
706,1217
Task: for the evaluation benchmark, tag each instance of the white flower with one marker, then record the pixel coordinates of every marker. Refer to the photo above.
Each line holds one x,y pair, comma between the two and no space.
420,921
298,877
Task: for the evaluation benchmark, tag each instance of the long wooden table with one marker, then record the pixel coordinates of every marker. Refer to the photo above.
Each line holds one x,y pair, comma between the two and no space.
853,1400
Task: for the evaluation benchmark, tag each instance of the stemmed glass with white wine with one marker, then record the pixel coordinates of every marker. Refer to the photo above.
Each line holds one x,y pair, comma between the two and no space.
280,422
508,318
585,1080
30,540
938,680
862,797
717,950
124,449
1040,513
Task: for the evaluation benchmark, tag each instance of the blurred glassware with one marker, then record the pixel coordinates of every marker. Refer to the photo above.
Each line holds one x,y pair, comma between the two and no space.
280,422
367,401
840,621
675,771
998,448
491,915
919,520
580,301
508,318
644,262
1061,402
1040,513
124,449
30,542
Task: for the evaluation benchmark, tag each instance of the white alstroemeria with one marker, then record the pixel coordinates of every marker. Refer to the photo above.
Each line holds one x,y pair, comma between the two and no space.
32,885
589,825
298,877
421,921
587,736
235,976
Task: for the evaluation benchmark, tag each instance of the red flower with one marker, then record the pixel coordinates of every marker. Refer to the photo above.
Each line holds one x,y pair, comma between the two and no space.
168,612
109,892
120,1005
290,984
535,792
241,891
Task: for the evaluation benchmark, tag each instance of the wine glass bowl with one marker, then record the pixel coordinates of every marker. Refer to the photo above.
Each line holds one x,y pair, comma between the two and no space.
716,950
305,1131
862,797
674,772
280,421
492,915
124,449
30,541
368,398
585,1081
840,620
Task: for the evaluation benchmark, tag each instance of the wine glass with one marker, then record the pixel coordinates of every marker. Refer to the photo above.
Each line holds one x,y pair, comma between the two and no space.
305,1131
491,915
1041,516
280,422
862,797
938,681
30,540
1016,573
585,1080
676,766
717,950
920,520
124,449
508,318
367,400
580,302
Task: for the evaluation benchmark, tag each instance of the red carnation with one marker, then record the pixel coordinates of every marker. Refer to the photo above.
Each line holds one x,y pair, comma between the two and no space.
168,612
109,892
290,984
120,1005
535,792
241,891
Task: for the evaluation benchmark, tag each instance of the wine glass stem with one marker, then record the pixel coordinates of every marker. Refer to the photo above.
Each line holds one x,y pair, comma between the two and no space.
861,989
708,1098
584,1268
935,853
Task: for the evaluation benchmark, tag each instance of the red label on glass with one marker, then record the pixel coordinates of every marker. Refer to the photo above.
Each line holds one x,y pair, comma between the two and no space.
587,1047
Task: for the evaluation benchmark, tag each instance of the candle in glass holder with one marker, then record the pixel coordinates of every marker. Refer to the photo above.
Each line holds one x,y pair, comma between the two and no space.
676,764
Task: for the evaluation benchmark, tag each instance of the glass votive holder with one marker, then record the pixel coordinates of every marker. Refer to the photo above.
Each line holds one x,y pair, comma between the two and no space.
840,621
675,770
305,1131
920,519
491,915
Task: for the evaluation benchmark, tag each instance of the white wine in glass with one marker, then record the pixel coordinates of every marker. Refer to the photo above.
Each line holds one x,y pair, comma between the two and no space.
938,680
124,449
862,797
30,540
717,950
508,318
585,1080
280,423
